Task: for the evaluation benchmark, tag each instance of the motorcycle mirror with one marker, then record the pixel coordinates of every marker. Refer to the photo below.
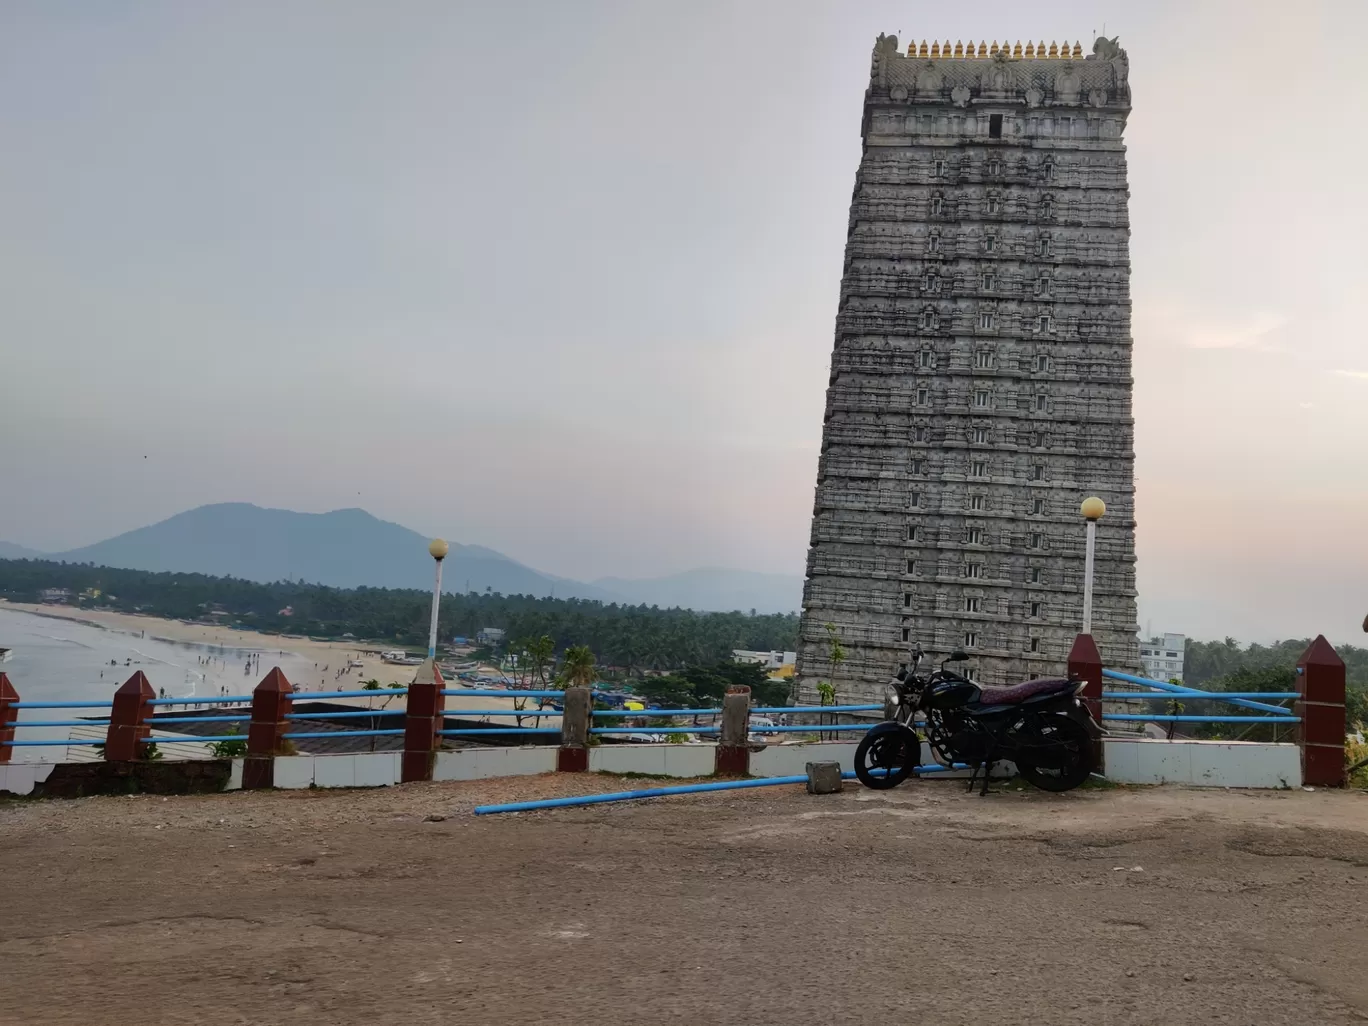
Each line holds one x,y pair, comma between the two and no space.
958,656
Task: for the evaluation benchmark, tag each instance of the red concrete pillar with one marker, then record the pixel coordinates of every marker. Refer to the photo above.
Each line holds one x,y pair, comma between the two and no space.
1085,664
128,730
733,751
8,716
272,701
422,720
1320,683
577,719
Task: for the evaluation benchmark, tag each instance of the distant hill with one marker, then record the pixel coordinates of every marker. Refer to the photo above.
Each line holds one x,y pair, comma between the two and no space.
346,548
8,550
712,588
350,548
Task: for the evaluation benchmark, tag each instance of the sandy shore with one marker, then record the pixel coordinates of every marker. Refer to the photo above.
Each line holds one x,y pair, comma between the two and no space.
325,653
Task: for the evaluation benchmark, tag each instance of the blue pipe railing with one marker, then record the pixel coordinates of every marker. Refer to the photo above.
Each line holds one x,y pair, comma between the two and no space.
1181,691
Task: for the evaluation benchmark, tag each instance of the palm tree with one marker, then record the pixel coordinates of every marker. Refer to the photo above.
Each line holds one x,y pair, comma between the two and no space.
578,668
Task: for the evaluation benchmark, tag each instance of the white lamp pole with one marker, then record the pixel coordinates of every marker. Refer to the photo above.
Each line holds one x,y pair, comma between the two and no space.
1092,509
438,551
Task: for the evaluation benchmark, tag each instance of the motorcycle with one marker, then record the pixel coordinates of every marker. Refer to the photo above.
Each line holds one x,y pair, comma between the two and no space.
1041,725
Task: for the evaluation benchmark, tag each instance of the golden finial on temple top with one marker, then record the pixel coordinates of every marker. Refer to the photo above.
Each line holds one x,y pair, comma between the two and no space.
923,52
1030,48
959,47
1078,50
945,50
1054,50
911,49
935,49
1016,50
1040,50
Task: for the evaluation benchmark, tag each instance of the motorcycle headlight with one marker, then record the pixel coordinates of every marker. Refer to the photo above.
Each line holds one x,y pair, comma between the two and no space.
891,697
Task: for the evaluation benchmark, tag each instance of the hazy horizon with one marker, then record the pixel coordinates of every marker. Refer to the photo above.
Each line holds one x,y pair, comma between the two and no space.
561,280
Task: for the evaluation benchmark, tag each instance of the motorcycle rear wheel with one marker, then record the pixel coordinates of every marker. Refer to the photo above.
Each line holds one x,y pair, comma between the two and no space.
883,761
1071,766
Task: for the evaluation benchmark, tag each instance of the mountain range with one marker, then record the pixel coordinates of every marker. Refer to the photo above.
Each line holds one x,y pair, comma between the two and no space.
350,548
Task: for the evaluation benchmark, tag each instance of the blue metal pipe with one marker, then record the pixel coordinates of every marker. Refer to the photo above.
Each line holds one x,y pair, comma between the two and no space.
342,715
655,730
1166,696
1178,689
196,719
62,723
62,705
1201,719
502,712
501,693
662,792
35,744
343,733
766,710
321,696
500,730
657,712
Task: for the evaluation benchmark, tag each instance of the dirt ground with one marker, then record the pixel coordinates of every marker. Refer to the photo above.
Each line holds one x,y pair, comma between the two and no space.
923,905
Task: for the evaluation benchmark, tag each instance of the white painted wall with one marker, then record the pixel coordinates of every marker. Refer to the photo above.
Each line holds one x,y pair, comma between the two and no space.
666,760
19,777
1203,763
481,763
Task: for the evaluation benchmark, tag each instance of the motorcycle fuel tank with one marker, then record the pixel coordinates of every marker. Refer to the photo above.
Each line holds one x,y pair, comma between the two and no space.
950,694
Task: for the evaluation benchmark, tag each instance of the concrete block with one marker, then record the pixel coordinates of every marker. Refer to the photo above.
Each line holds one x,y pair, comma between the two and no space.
792,760
17,778
294,771
689,760
235,776
332,771
823,777
374,769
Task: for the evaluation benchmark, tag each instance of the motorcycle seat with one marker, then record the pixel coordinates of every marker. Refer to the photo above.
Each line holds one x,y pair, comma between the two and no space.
1018,693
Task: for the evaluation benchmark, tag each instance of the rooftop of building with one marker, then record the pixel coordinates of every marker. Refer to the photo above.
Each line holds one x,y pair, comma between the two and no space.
984,50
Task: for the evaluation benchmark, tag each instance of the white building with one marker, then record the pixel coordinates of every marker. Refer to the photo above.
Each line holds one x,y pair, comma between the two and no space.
769,660
1162,656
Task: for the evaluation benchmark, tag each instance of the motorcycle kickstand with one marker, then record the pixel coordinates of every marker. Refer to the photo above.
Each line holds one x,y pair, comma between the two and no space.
973,777
987,771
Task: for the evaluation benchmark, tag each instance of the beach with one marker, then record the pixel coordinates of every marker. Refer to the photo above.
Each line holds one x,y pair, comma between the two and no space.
200,659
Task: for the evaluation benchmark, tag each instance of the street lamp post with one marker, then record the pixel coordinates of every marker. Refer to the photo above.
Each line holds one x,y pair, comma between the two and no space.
438,551
1092,509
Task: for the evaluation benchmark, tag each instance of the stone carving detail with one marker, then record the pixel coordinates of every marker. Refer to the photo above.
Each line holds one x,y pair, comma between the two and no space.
1098,97
1034,97
898,92
1067,85
929,81
960,94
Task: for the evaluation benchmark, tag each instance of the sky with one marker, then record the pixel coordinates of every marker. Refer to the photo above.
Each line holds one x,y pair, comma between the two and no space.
561,279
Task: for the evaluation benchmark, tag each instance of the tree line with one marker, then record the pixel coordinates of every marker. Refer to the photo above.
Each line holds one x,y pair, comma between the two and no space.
631,638
1229,666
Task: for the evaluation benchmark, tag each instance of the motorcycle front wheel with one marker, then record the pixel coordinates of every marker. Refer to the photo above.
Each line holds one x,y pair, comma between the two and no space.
884,760
1063,754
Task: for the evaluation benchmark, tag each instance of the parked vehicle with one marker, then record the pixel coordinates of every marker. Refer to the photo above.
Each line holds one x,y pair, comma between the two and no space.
1040,725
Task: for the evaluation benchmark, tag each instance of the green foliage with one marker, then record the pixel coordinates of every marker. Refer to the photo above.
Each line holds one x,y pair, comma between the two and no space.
1207,664
577,669
1268,678
826,691
394,685
371,685
700,687
632,638
228,749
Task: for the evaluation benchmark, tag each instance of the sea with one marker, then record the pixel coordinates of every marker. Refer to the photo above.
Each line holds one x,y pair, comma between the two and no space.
57,660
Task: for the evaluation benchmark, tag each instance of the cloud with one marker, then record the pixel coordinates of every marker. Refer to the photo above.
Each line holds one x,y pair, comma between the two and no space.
1248,332
1363,375
1211,329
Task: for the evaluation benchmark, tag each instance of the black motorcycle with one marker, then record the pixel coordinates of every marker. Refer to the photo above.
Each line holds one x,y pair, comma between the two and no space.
1041,725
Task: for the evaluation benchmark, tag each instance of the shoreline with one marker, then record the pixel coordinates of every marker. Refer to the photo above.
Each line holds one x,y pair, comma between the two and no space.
156,628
